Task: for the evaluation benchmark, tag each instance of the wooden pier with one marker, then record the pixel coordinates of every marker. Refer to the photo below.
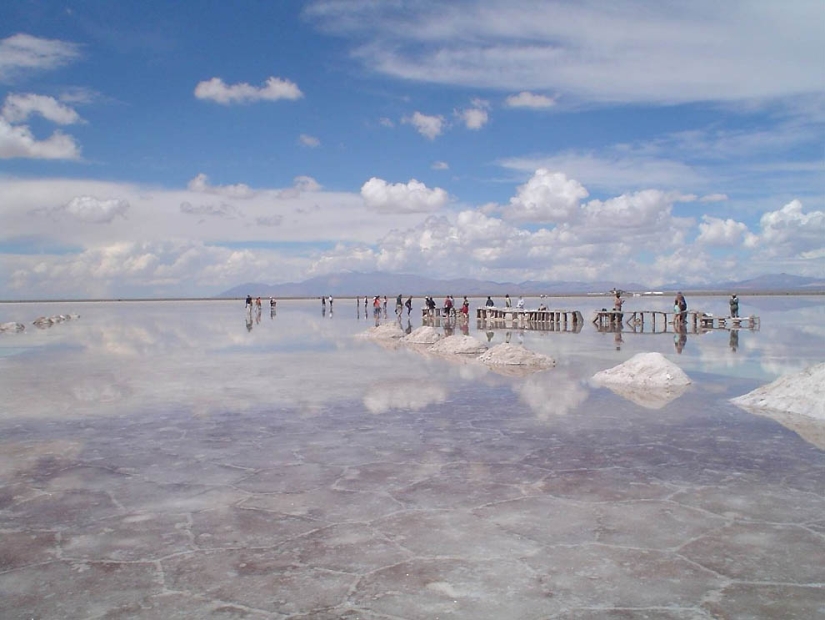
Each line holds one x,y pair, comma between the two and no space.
656,320
525,316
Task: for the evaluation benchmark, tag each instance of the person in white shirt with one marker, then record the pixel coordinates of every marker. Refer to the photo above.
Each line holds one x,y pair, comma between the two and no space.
520,304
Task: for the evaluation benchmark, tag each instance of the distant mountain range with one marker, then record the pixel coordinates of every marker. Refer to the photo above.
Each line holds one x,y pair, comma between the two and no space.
351,284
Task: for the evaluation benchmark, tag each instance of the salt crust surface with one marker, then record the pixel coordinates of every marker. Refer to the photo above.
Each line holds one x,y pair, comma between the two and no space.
801,393
644,370
507,354
458,345
423,335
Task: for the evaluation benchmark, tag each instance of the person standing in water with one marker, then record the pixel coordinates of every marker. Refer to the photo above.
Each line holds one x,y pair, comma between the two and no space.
679,309
734,306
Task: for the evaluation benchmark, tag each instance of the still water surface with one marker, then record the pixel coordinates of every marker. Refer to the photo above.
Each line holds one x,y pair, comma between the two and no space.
182,459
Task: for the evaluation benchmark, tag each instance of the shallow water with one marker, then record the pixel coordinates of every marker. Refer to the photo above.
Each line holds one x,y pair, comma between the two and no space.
184,459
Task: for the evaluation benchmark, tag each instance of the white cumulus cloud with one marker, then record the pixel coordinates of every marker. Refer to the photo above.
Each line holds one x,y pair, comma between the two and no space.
310,141
714,231
21,52
19,107
273,90
791,230
546,197
526,99
476,116
92,210
201,184
300,184
428,126
18,141
412,197
209,210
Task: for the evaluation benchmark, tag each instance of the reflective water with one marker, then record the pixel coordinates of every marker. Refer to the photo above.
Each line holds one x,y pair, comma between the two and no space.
185,459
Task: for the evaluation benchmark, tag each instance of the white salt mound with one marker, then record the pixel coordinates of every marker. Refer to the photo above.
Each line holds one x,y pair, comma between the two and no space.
802,393
387,331
12,327
506,354
648,370
423,335
458,345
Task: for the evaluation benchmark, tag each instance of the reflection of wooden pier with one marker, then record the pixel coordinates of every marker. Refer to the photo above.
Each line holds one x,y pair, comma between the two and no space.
658,321
494,324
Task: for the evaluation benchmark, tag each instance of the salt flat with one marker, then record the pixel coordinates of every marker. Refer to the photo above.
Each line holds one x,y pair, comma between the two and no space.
178,460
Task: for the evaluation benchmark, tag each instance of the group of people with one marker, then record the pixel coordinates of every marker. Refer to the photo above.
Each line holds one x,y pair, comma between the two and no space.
379,305
257,303
449,308
399,306
508,303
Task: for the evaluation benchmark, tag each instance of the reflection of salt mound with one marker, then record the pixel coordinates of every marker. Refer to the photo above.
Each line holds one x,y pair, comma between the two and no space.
509,355
387,331
423,335
12,327
801,393
458,345
647,379
648,397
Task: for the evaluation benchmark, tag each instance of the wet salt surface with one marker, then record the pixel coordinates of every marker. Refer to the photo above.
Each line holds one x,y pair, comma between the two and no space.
167,460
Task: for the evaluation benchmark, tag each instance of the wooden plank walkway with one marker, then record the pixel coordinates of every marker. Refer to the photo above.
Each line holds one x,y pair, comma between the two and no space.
524,315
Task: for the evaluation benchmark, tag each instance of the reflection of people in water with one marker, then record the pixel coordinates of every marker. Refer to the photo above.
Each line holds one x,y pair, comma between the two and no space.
734,340
680,338
507,336
489,336
617,339
249,321
465,328
409,327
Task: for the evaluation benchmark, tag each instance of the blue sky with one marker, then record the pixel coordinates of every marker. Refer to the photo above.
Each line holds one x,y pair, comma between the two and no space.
156,148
